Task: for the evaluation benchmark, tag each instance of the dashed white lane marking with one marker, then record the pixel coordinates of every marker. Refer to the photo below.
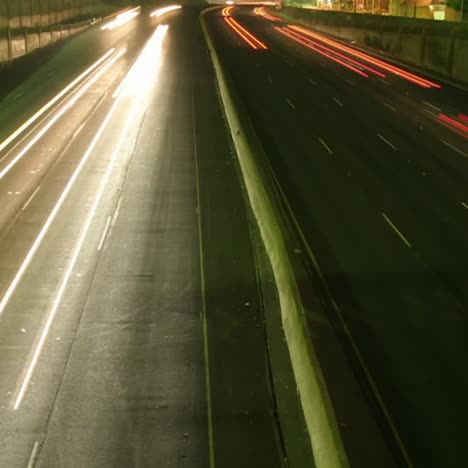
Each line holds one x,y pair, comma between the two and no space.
312,82
400,235
290,103
430,105
388,106
103,237
117,211
386,82
269,79
387,142
326,146
32,457
30,198
459,151
465,205
338,102
16,96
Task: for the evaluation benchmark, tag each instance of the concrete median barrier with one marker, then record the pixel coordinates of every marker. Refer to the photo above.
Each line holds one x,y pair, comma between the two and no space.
320,419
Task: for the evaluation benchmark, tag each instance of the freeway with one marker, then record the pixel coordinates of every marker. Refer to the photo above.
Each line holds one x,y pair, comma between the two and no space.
370,163
130,333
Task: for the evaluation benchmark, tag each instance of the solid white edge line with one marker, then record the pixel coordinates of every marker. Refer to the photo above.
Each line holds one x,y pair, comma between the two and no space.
43,109
206,347
402,237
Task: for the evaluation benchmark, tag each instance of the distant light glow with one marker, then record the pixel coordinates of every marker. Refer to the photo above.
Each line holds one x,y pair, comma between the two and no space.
229,2
139,79
122,18
162,11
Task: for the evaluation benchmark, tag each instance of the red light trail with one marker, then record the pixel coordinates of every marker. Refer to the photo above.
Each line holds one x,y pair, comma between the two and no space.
247,36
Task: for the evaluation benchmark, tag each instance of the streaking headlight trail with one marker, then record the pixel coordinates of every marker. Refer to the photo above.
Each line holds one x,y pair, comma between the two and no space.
54,100
162,11
136,97
57,115
122,18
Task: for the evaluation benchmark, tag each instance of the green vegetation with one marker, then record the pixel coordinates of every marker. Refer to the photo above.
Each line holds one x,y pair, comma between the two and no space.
457,5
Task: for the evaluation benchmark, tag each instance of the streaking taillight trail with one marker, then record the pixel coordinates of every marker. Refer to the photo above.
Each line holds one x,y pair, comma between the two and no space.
305,43
315,46
455,124
423,82
260,11
247,36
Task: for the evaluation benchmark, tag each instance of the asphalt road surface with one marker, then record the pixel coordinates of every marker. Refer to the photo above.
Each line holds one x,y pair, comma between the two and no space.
374,169
137,327
131,325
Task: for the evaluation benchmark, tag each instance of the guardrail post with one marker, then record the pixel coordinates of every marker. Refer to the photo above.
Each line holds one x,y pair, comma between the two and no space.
40,22
422,55
10,51
451,52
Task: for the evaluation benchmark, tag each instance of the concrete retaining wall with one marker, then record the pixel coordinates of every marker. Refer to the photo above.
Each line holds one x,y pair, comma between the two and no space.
18,45
437,46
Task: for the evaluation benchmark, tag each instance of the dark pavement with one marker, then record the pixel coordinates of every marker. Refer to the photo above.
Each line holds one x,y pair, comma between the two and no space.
378,188
139,324
121,344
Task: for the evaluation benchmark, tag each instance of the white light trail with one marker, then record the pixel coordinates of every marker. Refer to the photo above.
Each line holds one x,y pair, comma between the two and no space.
150,55
161,11
58,115
122,18
47,106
